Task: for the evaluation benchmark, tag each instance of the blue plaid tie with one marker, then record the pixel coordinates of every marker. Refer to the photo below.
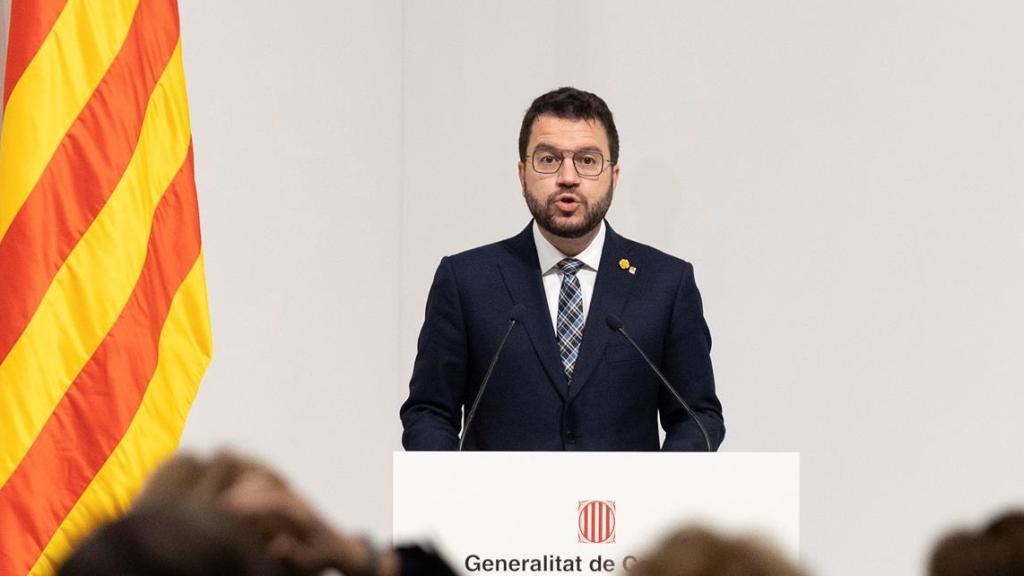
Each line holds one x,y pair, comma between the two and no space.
570,314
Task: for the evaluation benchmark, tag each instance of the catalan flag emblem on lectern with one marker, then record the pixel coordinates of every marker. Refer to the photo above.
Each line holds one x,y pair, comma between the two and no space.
596,521
104,325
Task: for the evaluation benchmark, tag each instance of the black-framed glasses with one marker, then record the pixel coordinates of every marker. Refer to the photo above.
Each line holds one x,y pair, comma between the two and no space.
588,163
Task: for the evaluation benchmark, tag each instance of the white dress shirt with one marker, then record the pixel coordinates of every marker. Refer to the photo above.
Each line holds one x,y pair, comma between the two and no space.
550,256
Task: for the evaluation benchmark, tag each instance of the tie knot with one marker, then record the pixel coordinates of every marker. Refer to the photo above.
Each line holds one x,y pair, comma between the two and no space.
570,266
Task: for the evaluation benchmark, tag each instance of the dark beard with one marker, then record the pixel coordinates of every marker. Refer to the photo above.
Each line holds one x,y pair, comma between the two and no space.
543,214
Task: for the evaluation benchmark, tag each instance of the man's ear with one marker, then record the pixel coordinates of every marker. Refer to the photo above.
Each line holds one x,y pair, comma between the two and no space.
521,169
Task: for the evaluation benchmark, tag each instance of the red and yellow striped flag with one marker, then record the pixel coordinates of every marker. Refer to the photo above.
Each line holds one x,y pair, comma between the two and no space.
104,325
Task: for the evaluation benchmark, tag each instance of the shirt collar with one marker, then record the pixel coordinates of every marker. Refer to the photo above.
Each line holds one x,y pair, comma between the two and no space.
549,256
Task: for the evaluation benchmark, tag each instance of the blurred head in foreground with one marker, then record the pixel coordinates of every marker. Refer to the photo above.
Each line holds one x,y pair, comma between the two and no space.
995,550
700,552
204,483
226,514
180,525
170,542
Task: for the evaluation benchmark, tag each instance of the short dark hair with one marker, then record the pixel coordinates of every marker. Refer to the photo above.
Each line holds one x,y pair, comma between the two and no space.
995,550
698,551
572,104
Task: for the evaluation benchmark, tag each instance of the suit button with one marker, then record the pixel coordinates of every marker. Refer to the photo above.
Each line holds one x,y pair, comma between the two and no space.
570,436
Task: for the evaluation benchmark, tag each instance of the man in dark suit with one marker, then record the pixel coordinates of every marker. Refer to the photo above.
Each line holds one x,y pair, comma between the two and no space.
565,380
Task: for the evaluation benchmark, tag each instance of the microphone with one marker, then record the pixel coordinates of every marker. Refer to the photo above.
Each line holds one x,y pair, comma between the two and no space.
515,317
617,326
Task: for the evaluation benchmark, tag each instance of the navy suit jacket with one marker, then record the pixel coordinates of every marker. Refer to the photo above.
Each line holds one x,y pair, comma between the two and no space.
614,399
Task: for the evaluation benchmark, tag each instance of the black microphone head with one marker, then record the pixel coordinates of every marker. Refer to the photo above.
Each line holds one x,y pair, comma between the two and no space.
613,322
518,313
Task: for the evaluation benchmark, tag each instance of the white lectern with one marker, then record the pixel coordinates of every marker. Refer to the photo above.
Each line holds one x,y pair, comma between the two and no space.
590,512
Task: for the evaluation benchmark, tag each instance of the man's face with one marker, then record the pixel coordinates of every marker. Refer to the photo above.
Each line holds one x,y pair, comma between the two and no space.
565,203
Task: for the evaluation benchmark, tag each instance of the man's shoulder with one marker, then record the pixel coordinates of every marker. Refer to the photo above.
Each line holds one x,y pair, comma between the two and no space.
487,252
515,246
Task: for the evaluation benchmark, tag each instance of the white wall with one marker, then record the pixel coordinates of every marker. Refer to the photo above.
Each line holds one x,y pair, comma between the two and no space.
296,131
845,177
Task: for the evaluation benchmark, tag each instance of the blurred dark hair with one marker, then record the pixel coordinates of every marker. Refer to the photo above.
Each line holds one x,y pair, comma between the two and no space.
189,480
697,551
171,542
995,550
571,104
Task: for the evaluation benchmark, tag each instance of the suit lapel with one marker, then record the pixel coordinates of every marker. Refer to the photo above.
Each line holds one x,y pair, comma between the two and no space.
611,291
521,272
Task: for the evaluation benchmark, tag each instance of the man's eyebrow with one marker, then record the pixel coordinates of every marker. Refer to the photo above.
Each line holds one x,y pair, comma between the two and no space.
549,147
546,147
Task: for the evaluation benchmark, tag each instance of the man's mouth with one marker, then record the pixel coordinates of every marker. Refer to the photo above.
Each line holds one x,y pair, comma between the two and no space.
567,203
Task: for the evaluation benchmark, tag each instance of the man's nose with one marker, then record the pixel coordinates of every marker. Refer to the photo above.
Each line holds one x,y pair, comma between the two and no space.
567,174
